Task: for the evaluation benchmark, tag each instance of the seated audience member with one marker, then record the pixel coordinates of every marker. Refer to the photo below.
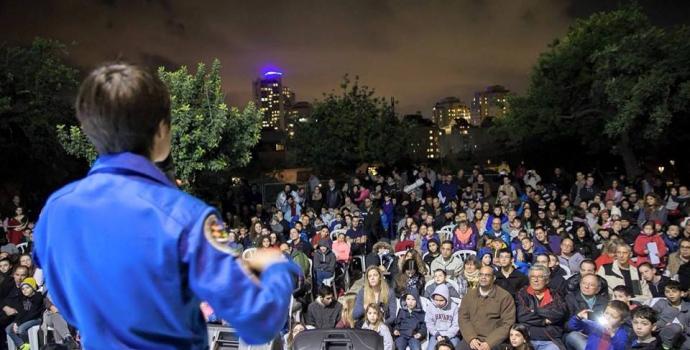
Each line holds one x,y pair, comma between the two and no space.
325,311
624,294
674,318
586,298
440,278
447,261
622,272
375,291
30,307
541,310
374,322
557,283
569,257
518,338
441,318
655,281
409,328
608,332
587,267
324,262
507,276
486,313
644,320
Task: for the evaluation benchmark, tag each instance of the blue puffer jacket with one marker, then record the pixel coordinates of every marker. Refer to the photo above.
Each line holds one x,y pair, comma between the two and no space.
409,322
596,339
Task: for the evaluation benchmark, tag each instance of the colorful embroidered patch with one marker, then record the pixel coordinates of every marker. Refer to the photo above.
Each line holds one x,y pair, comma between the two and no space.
215,235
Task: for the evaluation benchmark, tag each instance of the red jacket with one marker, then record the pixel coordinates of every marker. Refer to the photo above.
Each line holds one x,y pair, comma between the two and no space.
641,245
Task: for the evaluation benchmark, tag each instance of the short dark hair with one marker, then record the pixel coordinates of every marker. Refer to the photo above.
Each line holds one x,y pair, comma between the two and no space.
645,312
447,242
623,289
673,285
646,264
325,291
620,306
505,250
442,271
120,107
588,261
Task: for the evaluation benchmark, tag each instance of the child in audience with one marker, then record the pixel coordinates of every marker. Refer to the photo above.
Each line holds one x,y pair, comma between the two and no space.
409,326
644,320
374,322
674,317
30,307
607,333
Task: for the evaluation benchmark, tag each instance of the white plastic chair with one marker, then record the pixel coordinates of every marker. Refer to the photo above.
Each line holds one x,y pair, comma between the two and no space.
33,339
22,247
463,254
568,273
248,253
335,233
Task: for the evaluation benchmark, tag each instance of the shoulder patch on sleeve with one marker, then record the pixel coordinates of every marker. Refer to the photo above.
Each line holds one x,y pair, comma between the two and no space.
213,232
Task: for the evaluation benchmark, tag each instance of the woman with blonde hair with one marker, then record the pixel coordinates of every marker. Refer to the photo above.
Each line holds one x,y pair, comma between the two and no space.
375,291
346,320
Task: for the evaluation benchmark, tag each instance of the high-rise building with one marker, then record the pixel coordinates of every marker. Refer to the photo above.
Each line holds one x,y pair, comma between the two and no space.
273,99
424,138
299,112
490,103
446,111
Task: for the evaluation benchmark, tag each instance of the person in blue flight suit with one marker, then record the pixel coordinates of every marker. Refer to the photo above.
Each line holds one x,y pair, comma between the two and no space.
128,257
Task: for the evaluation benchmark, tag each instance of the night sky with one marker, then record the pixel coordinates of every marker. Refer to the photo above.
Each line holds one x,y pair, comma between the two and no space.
416,51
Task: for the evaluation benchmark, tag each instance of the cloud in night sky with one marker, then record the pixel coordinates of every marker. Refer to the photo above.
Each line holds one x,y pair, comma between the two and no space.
416,51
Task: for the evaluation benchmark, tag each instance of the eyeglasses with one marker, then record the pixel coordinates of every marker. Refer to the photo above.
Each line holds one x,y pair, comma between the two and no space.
486,275
537,277
685,247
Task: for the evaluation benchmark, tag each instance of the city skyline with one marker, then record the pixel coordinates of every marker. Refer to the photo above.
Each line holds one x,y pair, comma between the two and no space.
416,53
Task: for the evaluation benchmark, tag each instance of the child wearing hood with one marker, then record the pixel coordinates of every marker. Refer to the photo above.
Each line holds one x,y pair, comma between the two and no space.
409,328
441,318
324,261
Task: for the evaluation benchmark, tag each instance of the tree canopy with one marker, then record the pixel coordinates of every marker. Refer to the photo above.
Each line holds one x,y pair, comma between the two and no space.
614,83
350,127
208,137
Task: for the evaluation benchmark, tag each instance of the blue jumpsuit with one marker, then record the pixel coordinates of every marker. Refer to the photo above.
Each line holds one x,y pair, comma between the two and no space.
127,258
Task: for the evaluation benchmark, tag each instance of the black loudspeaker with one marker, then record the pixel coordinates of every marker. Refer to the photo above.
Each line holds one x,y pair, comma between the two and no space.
338,339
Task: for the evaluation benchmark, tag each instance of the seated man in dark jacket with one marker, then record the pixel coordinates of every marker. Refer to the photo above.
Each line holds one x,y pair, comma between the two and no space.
586,298
541,310
587,267
325,311
507,276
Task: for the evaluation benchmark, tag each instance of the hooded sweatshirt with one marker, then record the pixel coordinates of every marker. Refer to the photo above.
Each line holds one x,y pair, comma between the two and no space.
442,321
322,316
409,322
324,261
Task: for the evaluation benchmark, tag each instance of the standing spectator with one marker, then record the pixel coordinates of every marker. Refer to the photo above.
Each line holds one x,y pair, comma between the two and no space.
325,311
541,310
621,272
333,196
16,226
442,318
486,314
409,328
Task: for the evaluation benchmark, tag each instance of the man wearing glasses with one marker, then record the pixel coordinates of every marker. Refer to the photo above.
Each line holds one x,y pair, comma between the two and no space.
486,314
682,256
541,310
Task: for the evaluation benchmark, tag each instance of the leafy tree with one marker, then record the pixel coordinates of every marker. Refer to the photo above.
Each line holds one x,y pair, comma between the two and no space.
208,137
348,128
36,89
614,82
